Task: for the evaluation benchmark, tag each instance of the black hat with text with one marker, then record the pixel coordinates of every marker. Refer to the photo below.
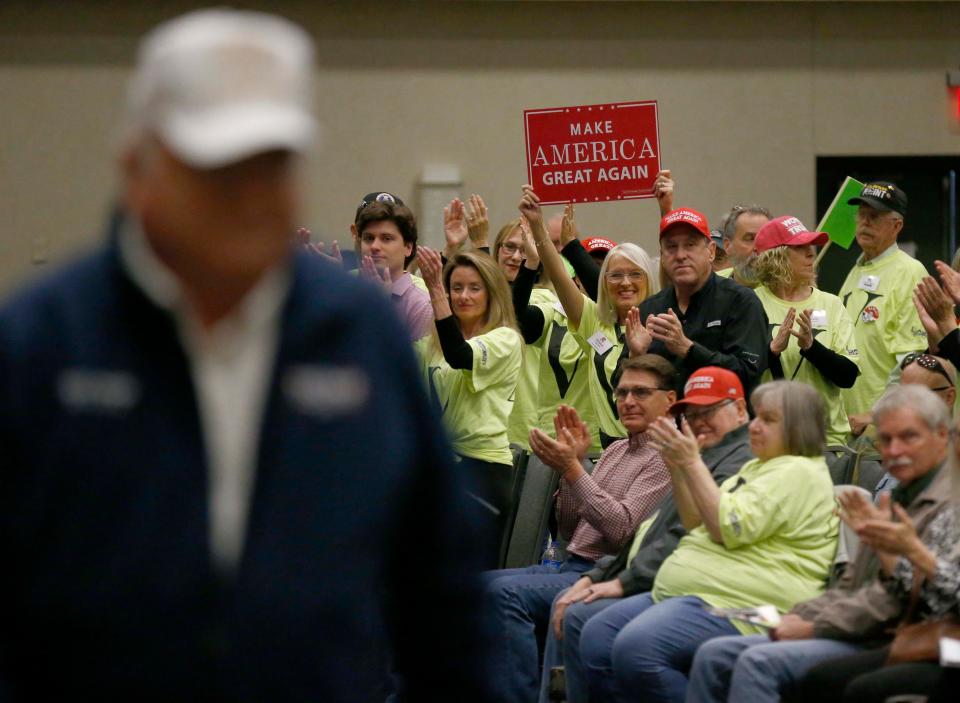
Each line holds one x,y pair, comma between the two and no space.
883,196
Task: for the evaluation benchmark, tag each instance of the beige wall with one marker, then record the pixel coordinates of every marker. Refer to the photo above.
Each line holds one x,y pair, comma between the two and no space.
749,95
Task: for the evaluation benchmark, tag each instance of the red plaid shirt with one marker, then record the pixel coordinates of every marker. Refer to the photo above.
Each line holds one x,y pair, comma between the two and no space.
600,512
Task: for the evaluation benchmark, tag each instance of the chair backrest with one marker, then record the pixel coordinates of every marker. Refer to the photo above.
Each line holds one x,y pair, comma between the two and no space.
533,508
858,465
840,460
848,544
520,459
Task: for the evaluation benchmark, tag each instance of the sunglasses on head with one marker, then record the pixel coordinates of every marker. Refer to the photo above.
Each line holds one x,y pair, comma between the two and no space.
926,361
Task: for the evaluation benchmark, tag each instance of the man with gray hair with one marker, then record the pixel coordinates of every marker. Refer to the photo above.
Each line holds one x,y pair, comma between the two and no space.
739,229
913,429
878,295
194,506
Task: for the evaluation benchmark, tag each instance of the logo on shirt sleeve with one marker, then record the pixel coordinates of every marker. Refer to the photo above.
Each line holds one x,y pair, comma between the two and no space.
483,352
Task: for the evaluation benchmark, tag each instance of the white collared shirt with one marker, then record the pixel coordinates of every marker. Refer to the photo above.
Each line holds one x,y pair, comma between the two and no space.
231,364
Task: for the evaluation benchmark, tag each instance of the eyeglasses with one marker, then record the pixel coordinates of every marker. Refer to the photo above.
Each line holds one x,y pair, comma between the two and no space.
928,362
704,413
620,276
638,392
510,248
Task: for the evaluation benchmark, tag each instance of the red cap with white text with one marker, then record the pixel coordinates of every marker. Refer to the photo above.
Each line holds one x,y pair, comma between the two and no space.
592,244
685,216
787,231
709,385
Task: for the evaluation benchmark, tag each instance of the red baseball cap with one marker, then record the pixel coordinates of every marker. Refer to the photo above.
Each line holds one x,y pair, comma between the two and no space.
685,216
592,244
709,385
787,231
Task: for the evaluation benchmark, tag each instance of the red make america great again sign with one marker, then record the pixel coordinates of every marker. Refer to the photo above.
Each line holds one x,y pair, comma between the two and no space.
593,153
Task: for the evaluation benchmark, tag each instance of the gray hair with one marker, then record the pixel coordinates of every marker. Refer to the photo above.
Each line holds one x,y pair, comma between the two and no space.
730,219
804,415
928,406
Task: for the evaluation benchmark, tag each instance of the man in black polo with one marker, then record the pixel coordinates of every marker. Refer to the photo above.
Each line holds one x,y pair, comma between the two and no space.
702,319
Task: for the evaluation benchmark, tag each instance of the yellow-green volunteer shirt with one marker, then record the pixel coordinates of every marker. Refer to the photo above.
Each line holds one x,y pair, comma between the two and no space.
878,297
564,373
834,330
419,282
605,346
725,273
477,402
779,540
525,409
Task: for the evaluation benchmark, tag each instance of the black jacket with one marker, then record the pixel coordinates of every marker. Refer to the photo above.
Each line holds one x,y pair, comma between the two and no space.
727,325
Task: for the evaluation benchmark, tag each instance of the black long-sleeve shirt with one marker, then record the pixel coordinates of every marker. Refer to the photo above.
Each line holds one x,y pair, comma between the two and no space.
585,266
726,323
834,367
529,317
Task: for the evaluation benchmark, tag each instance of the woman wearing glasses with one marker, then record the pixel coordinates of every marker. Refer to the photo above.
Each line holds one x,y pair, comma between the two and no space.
471,363
813,340
627,278
508,252
740,550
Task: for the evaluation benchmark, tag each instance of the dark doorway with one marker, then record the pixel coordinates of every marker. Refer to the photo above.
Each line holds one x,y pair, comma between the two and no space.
930,183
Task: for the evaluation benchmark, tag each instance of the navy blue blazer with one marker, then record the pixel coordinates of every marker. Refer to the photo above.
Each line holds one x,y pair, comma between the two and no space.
357,527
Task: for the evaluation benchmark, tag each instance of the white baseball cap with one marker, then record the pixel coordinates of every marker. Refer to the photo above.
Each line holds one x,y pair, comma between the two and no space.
218,86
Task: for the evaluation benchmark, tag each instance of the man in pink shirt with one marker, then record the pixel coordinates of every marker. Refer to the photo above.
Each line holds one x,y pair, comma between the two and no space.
385,237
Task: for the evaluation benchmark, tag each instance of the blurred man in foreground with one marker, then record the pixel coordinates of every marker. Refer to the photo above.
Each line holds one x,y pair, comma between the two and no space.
193,506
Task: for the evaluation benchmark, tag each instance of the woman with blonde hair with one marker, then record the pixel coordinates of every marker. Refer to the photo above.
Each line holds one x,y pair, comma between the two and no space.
471,364
627,278
813,339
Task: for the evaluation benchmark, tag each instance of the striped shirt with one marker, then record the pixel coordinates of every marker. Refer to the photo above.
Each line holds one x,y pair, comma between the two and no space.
600,512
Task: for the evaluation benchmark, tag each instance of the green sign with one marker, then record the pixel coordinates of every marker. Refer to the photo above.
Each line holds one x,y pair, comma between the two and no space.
840,220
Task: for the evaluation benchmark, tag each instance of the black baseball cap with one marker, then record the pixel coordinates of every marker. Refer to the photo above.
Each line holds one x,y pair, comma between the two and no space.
882,195
376,197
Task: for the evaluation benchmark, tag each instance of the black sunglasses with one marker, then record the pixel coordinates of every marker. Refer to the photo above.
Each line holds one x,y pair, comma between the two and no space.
926,361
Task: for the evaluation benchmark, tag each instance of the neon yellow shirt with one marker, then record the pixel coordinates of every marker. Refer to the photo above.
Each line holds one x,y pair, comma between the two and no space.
779,540
419,282
525,409
477,402
725,273
602,365
878,297
640,534
834,330
563,374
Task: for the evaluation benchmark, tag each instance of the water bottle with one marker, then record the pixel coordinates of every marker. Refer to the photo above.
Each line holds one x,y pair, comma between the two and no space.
551,555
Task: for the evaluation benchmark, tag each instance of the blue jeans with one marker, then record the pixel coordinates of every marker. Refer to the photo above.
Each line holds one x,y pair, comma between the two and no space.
635,650
754,668
517,605
566,652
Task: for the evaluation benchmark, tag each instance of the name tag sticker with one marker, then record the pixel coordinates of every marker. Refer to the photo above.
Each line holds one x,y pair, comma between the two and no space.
713,323
600,343
869,283
559,308
949,652
98,391
818,319
326,392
